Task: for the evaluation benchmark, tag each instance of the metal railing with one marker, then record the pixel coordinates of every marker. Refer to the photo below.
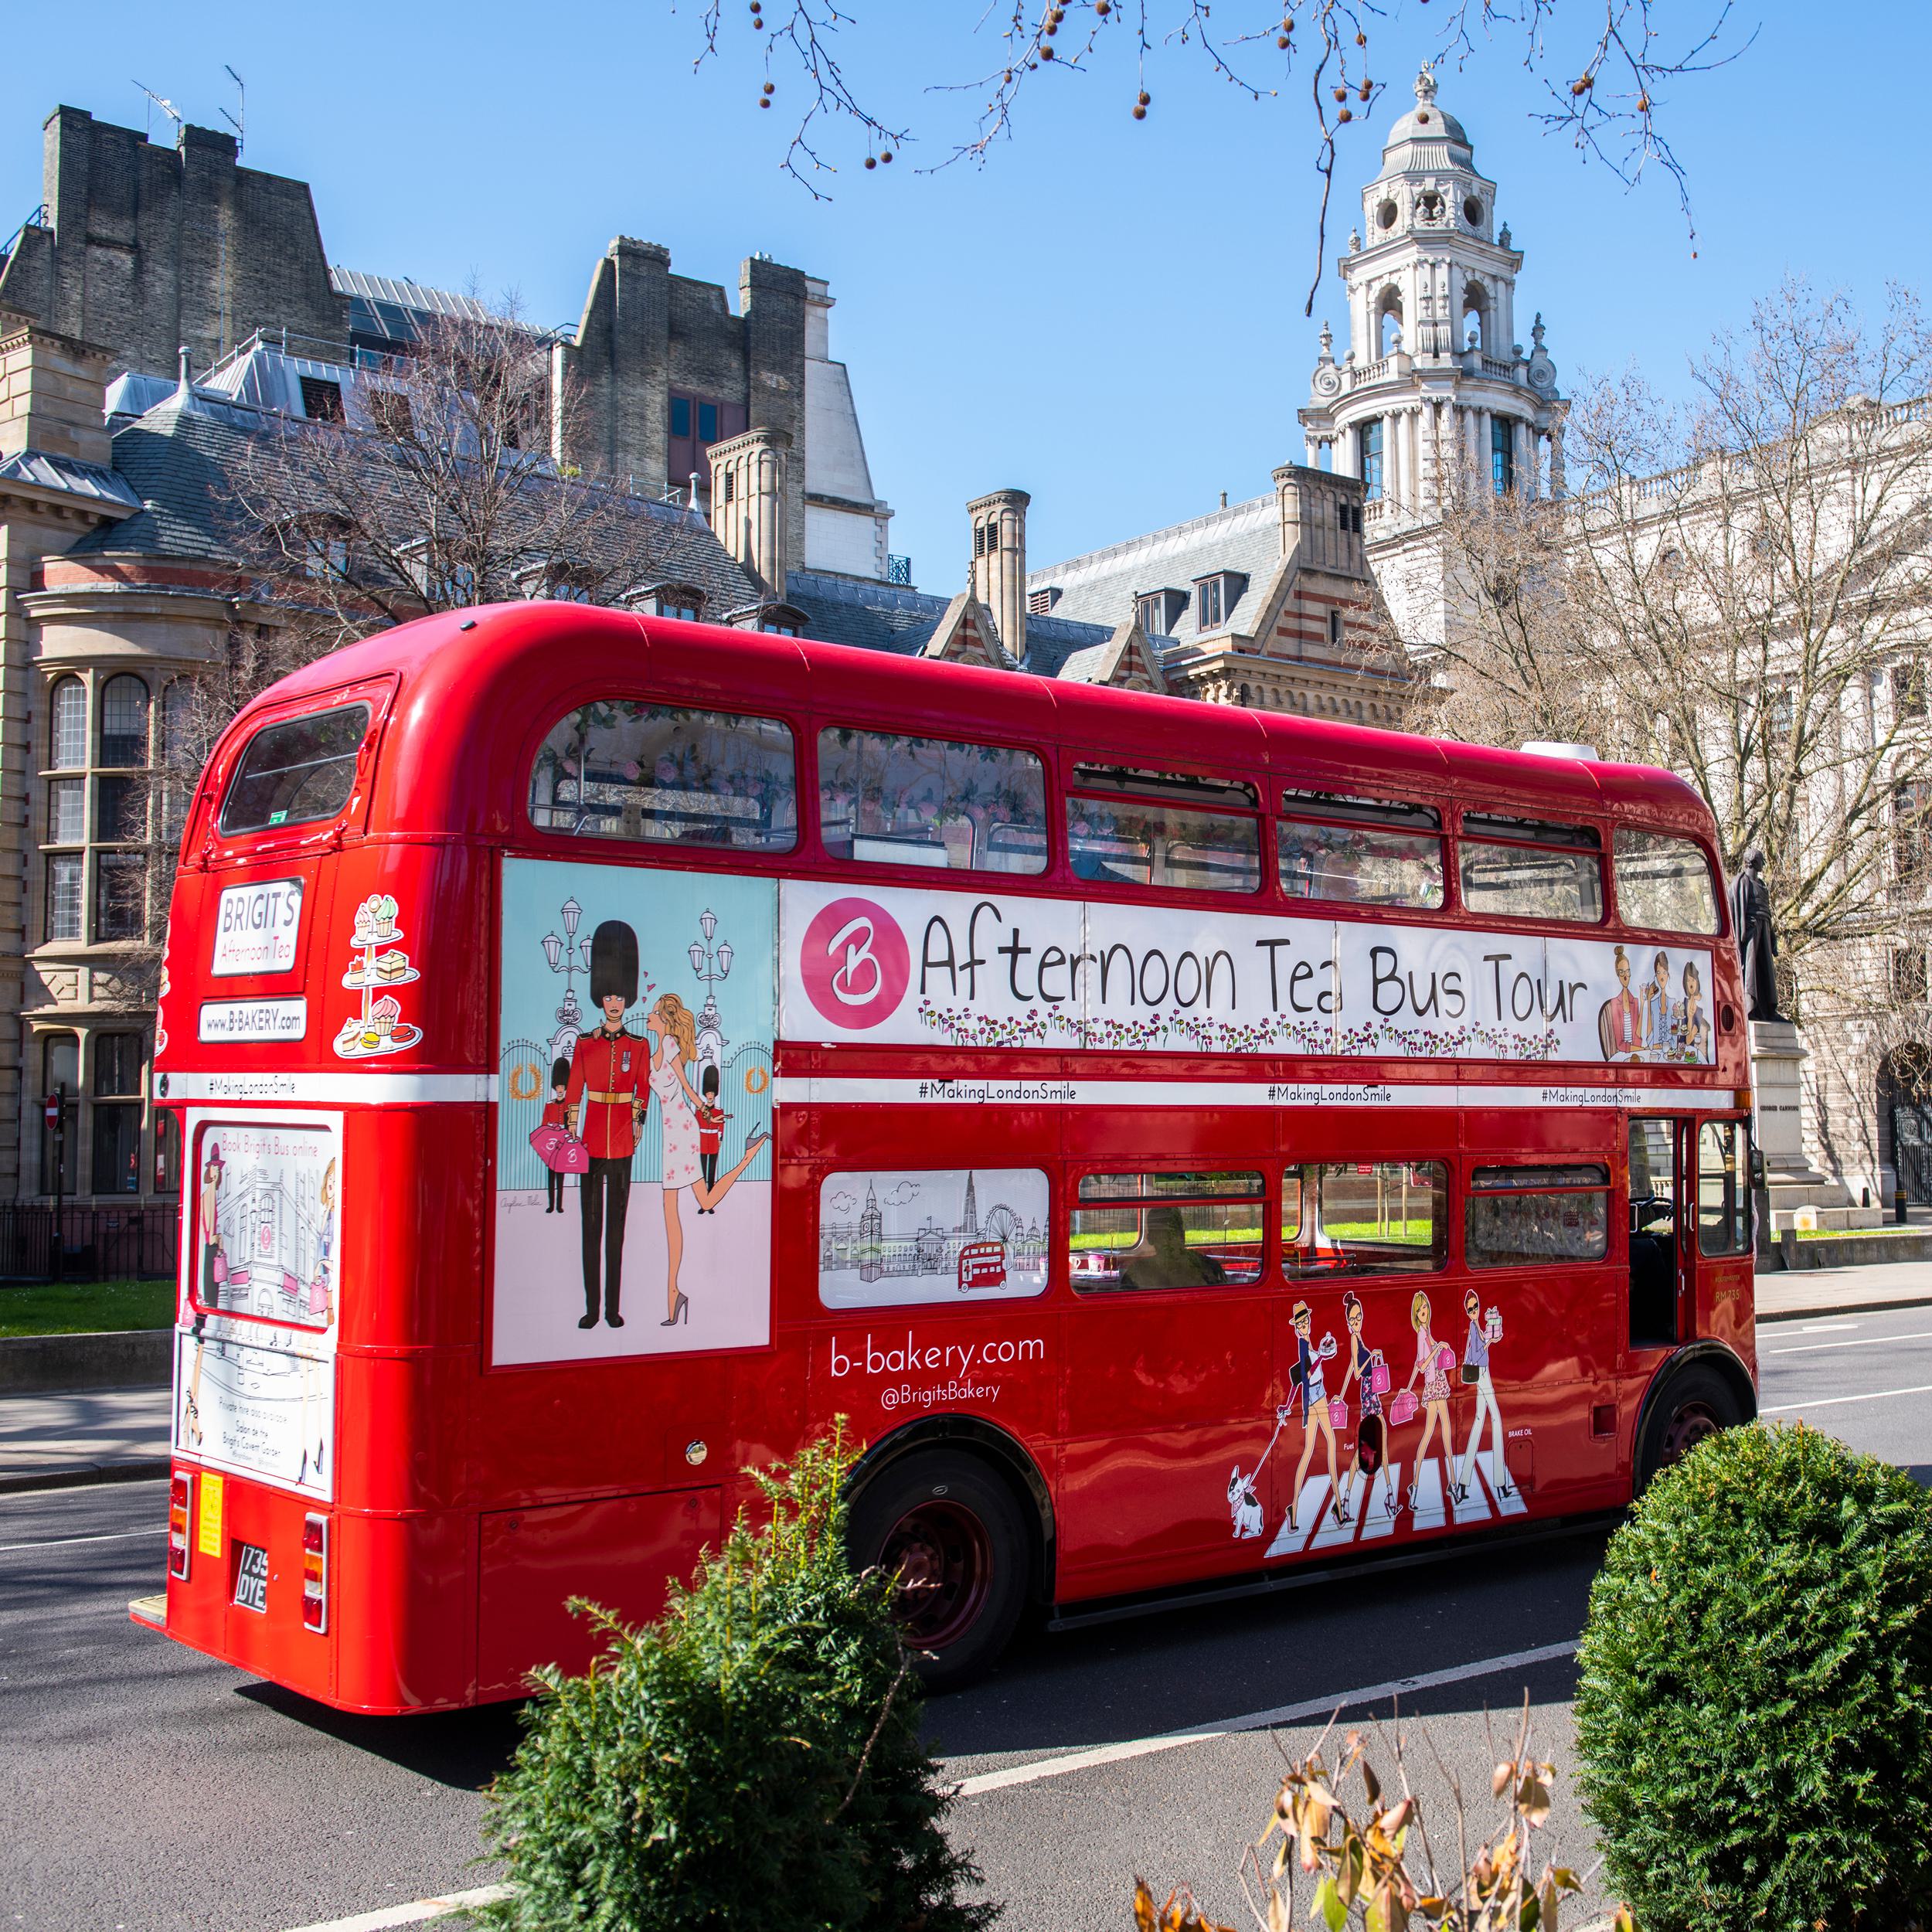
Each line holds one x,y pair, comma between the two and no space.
899,569
94,1243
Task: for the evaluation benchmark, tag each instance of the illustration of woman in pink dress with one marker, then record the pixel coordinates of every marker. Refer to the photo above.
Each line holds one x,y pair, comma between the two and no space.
676,1027
1433,1361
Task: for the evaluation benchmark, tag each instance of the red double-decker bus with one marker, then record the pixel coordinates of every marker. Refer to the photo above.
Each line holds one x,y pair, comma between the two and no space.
1190,1144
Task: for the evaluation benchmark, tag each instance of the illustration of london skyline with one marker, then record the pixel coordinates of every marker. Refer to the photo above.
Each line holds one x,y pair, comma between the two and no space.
884,1239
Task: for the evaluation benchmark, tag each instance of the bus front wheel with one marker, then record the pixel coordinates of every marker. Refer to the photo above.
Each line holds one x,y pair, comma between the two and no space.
950,1531
1697,1403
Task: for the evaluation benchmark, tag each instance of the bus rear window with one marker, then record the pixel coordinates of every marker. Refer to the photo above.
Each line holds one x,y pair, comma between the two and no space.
1663,883
622,769
296,772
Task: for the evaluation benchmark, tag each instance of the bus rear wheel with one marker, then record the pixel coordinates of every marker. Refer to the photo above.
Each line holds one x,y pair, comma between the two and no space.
1696,1404
950,1531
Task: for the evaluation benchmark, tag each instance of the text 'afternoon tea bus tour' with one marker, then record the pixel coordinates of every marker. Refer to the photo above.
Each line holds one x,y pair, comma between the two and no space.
1187,1142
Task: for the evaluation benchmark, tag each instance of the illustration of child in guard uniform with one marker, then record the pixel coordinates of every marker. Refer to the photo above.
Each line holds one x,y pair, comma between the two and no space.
555,1115
603,1098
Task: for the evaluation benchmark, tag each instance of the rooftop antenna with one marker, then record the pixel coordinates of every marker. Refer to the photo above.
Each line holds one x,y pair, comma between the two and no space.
241,114
166,107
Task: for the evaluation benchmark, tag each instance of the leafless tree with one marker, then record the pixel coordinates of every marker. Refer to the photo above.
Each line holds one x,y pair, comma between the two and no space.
1741,590
1600,66
444,480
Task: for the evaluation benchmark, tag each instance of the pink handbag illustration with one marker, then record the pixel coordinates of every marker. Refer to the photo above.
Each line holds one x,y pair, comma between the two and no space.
1445,1360
1379,1379
1402,1409
559,1150
221,1269
1337,1413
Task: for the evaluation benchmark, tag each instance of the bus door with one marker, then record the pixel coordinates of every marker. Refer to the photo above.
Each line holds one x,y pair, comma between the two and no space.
1662,1294
1168,1392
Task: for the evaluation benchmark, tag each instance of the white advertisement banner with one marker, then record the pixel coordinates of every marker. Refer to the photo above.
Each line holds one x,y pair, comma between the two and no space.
231,1021
255,1339
906,966
256,928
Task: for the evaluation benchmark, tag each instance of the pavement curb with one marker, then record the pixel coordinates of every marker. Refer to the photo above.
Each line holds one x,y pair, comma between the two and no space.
1830,1308
84,1475
102,1358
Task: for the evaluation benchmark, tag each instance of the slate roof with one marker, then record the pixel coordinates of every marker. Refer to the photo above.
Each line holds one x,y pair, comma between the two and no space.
67,473
176,461
1099,587
885,617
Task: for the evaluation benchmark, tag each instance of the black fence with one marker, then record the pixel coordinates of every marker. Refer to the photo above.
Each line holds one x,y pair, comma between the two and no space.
94,1244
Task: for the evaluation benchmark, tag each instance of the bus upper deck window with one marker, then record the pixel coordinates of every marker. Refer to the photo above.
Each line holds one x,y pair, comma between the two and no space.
1166,1231
624,769
1153,828
1663,883
296,772
887,799
1542,872
1360,852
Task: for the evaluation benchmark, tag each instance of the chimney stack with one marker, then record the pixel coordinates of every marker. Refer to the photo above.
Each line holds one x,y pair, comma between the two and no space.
748,503
998,575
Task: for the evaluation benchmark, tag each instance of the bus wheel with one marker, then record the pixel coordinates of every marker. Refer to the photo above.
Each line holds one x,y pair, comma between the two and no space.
950,1532
1697,1403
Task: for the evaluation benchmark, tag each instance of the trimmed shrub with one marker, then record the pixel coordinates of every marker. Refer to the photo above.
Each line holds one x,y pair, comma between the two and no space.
752,1758
1755,1718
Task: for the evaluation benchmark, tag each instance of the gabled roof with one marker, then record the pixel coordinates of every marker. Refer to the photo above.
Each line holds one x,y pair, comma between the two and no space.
1127,661
1099,587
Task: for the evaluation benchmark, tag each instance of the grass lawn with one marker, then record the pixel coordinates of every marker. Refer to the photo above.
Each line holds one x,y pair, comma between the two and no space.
83,1307
1856,1234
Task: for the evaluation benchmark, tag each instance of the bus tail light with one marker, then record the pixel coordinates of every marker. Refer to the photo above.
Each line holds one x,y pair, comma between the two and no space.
181,1513
315,1572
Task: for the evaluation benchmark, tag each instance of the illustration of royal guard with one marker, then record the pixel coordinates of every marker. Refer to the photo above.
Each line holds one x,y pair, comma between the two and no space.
609,1086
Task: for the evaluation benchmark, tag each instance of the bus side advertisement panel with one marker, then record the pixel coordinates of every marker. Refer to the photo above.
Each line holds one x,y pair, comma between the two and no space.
634,1157
259,1298
893,965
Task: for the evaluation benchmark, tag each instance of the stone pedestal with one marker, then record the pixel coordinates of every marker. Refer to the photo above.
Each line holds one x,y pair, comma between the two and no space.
1778,1054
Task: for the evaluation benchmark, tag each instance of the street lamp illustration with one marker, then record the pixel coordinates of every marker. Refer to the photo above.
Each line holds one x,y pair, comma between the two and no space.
710,966
569,956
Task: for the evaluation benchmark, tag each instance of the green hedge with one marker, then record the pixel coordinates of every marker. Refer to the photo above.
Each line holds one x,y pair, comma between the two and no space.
753,1760
1755,1718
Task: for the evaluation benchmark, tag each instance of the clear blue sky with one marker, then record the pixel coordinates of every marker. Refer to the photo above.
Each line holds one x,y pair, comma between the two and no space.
1108,314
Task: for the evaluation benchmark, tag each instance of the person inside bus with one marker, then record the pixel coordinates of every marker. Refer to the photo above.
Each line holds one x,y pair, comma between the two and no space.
604,1101
1167,1261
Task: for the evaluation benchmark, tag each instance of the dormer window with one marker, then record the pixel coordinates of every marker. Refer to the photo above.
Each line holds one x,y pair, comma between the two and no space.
1216,596
1039,604
1160,610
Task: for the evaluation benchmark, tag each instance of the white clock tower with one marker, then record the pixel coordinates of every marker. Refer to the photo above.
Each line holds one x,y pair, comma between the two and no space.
1434,383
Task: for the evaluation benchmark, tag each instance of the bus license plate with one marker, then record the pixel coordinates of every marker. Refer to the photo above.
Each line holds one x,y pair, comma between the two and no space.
251,1578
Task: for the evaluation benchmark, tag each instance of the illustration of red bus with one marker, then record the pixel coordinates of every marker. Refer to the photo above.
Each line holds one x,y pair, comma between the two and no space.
604,1047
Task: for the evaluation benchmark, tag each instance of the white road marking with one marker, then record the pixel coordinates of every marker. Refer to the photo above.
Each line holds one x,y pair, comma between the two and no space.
1833,1401
1818,1327
112,1536
413,1914
1045,1768
1863,1341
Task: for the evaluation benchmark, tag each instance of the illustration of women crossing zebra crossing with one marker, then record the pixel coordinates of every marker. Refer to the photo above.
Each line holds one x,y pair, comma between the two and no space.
1353,1491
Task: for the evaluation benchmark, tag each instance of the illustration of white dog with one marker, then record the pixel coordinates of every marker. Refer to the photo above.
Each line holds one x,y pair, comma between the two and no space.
1244,1503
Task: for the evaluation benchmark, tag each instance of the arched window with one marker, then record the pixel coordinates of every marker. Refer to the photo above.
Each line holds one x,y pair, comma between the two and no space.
1388,323
67,737
1476,314
124,723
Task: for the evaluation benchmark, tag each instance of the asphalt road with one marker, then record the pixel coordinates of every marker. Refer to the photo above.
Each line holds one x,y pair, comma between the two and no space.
144,1788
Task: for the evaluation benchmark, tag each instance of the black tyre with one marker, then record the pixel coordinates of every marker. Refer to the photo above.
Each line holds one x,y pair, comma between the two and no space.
1693,1404
950,1530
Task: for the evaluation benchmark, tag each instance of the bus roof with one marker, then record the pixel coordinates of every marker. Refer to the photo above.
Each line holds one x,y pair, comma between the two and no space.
477,690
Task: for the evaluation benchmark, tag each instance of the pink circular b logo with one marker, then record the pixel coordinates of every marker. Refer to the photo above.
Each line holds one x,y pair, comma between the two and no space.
854,963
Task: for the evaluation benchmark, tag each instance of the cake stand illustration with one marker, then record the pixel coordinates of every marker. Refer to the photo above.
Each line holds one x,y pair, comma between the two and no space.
380,965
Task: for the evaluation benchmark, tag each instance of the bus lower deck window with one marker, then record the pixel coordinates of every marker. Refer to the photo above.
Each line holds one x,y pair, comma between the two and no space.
296,772
1365,1217
1537,1214
1663,883
1193,1230
885,799
626,769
